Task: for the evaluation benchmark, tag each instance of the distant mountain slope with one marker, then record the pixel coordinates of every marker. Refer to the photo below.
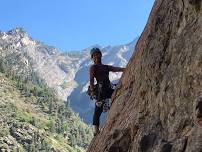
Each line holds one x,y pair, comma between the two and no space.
56,69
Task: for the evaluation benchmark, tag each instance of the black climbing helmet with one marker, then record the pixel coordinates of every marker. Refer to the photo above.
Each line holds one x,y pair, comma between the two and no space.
94,50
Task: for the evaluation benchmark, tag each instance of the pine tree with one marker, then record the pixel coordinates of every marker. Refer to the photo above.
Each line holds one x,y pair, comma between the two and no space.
2,66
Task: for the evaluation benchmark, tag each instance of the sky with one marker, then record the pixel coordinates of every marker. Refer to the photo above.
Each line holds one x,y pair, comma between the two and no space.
71,25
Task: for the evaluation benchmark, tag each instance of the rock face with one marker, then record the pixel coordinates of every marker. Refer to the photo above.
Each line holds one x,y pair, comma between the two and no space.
154,106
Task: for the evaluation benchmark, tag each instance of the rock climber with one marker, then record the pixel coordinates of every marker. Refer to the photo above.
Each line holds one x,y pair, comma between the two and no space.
100,72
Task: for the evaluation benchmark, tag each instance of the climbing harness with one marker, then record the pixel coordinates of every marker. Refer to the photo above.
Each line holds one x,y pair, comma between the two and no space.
102,94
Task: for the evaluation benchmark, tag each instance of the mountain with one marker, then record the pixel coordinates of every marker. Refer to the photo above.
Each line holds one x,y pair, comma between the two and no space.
46,61
158,106
67,73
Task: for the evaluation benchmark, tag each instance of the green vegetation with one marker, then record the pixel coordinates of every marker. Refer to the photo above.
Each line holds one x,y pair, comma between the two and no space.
34,119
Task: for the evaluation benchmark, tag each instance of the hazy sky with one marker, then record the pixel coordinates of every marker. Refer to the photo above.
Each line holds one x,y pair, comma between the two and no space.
77,24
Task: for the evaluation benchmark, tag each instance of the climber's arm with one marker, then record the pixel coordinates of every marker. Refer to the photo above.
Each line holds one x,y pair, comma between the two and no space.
92,75
116,69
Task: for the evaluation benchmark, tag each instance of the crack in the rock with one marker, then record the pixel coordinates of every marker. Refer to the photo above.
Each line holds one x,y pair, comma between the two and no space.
185,145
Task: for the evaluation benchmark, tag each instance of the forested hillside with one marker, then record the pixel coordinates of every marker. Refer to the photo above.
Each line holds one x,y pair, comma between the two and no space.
33,119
